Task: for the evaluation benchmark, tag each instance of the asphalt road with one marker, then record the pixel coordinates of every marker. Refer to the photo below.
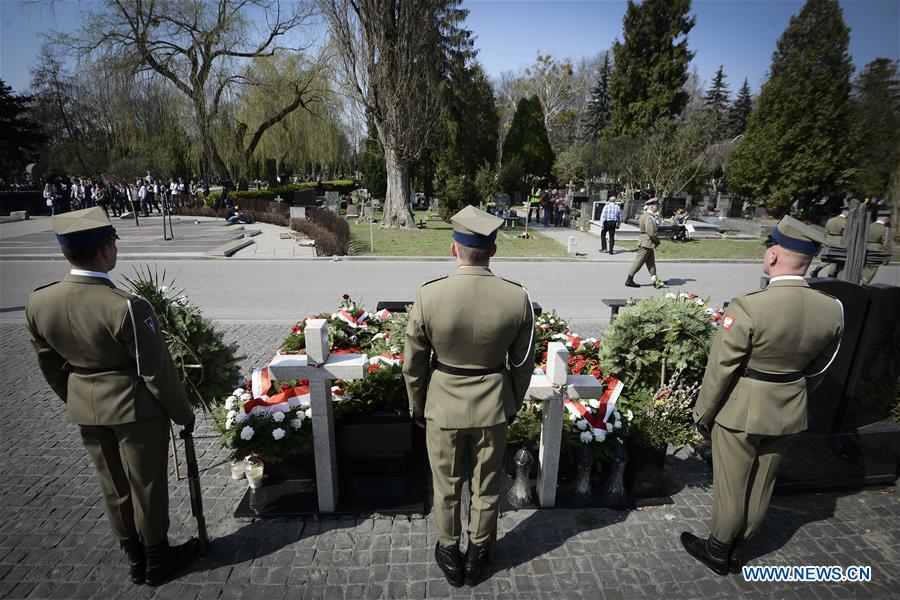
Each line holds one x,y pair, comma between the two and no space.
282,291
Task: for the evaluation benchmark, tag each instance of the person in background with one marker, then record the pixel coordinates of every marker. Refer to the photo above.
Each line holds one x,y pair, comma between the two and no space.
100,198
611,219
50,198
879,240
679,221
141,187
236,216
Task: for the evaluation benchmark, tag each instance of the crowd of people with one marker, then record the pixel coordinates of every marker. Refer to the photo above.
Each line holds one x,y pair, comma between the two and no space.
118,198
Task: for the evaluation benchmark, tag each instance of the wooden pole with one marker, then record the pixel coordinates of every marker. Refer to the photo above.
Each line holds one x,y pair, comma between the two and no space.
174,453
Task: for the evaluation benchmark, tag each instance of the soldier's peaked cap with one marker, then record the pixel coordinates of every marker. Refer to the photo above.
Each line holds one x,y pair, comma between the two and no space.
474,227
88,227
652,201
884,212
797,236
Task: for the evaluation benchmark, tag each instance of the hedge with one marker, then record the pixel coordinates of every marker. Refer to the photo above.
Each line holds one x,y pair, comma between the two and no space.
342,186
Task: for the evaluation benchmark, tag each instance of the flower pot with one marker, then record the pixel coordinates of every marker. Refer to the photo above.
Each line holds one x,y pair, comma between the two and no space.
644,470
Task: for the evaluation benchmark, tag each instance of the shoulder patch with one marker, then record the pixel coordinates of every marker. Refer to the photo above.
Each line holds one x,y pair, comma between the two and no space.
433,280
45,286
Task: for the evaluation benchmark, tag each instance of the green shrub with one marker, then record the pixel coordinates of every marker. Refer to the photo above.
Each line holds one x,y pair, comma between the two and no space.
330,232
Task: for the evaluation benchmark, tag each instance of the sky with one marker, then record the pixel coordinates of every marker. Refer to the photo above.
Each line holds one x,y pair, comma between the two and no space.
739,34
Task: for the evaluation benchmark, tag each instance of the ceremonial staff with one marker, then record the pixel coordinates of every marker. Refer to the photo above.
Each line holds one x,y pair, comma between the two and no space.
193,477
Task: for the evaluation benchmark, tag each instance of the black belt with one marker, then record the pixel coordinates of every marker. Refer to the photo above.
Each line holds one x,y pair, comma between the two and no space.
132,368
439,366
772,377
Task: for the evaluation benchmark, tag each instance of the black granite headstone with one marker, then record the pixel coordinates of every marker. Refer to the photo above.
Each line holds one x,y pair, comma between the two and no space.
670,205
305,197
829,400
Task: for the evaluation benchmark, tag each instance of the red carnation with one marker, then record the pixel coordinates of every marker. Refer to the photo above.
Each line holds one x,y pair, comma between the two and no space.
346,296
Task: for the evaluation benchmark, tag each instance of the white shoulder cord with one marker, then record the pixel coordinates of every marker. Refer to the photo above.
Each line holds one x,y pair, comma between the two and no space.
838,349
531,339
137,351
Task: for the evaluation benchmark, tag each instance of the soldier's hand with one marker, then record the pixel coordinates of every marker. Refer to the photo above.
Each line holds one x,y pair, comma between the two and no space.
703,430
510,420
420,421
189,426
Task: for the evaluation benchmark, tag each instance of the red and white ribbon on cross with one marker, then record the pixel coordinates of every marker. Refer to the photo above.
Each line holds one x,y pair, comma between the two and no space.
355,321
600,419
260,382
384,315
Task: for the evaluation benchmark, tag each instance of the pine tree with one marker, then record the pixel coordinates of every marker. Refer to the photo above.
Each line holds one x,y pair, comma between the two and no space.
650,65
527,139
875,127
20,135
796,144
740,110
599,107
716,101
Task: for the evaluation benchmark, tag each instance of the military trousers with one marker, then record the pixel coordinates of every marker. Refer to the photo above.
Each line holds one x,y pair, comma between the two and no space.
132,466
453,453
644,256
744,470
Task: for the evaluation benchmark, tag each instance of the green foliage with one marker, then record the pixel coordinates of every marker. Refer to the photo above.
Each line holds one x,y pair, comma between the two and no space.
511,176
655,337
526,429
208,367
374,169
527,139
472,122
486,182
741,109
795,147
383,390
664,416
20,135
875,128
454,189
716,101
650,65
598,112
546,327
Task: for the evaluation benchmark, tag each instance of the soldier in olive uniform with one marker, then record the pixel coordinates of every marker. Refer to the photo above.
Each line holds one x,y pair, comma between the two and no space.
834,237
879,240
102,352
647,243
768,355
467,363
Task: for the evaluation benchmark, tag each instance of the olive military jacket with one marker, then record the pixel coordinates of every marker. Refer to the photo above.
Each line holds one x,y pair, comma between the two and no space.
471,319
84,324
834,231
787,327
878,238
647,224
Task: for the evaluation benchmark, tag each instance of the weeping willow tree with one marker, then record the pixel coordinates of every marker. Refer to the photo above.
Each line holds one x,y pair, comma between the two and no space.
311,135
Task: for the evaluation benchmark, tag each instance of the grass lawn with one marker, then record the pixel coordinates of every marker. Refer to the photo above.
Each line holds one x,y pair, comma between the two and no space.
712,249
434,240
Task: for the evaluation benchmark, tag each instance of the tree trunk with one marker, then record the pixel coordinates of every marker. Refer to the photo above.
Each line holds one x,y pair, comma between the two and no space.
210,154
397,212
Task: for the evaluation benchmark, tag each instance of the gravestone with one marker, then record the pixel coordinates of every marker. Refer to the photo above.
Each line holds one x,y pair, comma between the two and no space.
271,172
305,197
855,236
298,212
501,200
670,205
597,210
352,211
729,207
629,209
333,202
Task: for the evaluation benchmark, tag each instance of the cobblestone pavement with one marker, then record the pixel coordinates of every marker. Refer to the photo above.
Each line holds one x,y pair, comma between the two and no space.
55,541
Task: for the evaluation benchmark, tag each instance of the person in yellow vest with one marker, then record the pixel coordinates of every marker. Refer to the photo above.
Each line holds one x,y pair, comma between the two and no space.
534,200
467,364
647,243
879,240
102,352
769,353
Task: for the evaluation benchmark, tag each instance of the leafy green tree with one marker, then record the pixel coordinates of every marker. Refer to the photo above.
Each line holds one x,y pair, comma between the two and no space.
795,147
650,65
740,110
373,168
716,101
875,127
20,135
527,140
598,112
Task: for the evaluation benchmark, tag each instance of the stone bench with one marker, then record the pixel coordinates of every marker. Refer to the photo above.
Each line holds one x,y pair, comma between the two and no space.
614,305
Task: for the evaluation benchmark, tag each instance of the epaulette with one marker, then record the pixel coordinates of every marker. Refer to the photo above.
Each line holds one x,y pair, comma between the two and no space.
433,280
125,294
45,286
512,282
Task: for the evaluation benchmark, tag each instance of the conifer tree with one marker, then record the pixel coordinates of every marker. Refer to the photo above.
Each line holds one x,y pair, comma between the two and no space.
740,110
716,101
796,144
650,65
875,128
598,112
527,139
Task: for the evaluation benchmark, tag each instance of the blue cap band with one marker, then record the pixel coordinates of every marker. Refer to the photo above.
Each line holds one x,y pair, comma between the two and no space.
473,239
802,246
91,237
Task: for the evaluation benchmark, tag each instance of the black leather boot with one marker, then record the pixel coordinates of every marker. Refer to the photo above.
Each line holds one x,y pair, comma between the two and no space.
164,561
477,555
450,562
712,553
137,559
734,561
630,282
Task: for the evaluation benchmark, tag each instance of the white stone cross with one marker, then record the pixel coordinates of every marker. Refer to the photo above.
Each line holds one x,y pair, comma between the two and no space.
553,389
320,369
